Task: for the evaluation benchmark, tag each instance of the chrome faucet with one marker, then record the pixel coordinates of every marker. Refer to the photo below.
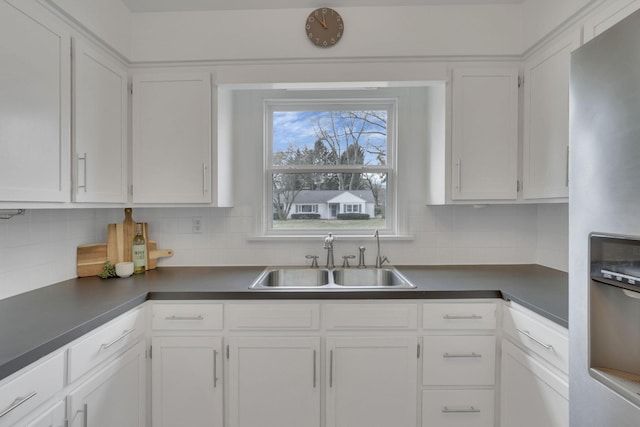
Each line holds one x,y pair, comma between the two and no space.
379,259
328,245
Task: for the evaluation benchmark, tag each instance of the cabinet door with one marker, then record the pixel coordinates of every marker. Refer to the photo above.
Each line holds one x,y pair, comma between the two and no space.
532,395
484,134
371,381
52,417
35,107
546,121
115,396
274,381
187,381
172,138
100,126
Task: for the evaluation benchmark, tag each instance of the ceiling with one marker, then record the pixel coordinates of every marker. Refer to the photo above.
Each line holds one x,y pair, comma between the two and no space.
178,5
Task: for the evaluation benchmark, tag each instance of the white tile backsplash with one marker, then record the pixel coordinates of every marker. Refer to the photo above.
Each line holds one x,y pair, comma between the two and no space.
39,248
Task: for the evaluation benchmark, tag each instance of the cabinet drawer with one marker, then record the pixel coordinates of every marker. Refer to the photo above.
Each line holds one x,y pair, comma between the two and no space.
273,316
371,316
539,335
109,339
459,315
31,387
180,317
459,360
457,408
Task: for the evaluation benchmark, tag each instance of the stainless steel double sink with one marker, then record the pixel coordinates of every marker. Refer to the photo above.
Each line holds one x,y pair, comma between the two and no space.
289,278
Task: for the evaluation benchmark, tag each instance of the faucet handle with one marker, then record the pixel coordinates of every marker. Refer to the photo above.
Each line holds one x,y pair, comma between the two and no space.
314,263
346,258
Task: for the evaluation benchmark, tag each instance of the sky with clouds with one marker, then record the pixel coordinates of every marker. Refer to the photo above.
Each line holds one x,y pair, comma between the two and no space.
298,128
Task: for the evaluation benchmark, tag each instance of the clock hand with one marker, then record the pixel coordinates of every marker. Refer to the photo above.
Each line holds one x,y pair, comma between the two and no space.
323,23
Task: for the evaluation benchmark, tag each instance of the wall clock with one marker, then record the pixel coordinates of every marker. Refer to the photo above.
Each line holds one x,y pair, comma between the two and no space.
324,27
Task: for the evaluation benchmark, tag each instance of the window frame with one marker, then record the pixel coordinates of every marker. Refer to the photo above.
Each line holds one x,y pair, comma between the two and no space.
271,105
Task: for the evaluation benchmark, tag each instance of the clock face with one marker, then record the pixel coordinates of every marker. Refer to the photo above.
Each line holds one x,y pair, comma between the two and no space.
324,27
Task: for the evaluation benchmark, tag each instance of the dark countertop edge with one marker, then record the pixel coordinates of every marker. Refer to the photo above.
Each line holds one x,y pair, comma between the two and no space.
556,319
55,344
406,294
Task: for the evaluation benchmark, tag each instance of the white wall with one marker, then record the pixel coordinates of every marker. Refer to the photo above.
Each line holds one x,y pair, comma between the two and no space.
39,248
109,20
369,32
441,235
553,236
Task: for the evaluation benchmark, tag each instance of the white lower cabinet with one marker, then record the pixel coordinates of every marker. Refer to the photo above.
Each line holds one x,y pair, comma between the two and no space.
459,364
532,394
187,381
27,391
52,417
458,408
460,360
534,381
274,381
114,396
371,381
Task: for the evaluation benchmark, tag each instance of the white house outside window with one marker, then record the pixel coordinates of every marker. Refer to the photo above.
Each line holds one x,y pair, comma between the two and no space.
329,164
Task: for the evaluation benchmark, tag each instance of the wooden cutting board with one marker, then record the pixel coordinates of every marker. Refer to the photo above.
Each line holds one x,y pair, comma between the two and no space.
120,237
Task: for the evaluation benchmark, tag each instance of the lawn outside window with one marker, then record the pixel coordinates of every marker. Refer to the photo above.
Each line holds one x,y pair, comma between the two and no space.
330,166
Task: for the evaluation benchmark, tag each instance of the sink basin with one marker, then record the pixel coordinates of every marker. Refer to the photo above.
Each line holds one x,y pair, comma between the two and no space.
289,278
371,278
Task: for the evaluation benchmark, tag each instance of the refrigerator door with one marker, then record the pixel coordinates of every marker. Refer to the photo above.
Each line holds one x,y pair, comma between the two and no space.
604,194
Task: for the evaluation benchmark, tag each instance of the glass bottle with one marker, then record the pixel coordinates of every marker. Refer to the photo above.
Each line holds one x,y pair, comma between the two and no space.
139,251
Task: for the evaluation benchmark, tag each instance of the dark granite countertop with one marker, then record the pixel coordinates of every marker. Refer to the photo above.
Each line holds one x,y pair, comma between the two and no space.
38,322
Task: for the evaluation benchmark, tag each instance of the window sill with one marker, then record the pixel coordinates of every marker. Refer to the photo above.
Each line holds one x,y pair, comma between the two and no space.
317,237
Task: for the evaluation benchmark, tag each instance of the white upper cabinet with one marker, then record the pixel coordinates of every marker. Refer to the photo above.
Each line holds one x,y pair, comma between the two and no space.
172,138
35,78
609,14
546,120
484,134
99,126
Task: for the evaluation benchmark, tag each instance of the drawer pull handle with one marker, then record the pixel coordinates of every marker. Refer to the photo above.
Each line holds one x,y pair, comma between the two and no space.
125,334
473,355
457,317
448,410
174,317
19,401
536,340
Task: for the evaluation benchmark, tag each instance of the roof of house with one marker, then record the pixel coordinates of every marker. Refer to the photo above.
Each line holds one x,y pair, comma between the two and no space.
324,196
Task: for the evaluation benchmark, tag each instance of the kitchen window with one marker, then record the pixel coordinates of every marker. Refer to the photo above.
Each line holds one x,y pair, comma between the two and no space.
332,159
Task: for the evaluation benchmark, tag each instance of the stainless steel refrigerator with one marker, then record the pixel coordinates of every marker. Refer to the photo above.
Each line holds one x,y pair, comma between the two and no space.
604,322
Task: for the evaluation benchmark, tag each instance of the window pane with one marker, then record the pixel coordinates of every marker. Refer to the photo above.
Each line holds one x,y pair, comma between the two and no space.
329,200
352,137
